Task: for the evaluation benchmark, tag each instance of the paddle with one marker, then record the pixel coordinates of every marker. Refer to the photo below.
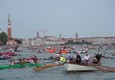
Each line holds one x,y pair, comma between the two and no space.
47,66
105,68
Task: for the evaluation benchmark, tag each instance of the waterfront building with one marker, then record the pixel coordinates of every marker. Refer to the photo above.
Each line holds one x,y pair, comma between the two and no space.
97,40
25,42
39,41
12,43
50,40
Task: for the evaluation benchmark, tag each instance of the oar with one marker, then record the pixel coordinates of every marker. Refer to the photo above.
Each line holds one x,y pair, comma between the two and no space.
47,66
105,68
109,57
41,68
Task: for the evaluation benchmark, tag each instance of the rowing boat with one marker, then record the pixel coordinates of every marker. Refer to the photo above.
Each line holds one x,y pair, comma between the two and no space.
19,65
47,66
106,68
78,67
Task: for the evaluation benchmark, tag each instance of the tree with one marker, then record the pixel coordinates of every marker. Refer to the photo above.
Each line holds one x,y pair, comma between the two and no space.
3,38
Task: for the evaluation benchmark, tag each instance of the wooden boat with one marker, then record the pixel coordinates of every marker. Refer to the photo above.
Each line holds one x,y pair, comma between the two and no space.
47,66
78,67
19,66
106,68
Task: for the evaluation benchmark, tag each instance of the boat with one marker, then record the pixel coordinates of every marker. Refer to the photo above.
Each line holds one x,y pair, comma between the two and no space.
47,66
19,66
106,68
78,67
5,58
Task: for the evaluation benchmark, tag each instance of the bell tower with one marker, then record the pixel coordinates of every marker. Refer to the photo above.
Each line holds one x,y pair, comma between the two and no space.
9,28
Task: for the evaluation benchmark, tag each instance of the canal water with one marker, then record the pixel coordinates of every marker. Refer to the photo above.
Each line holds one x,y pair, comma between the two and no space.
56,73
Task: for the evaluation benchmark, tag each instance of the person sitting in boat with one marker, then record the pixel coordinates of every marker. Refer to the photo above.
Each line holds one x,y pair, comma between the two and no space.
57,57
11,62
51,57
86,58
78,58
31,61
70,57
97,58
24,61
94,60
35,59
62,59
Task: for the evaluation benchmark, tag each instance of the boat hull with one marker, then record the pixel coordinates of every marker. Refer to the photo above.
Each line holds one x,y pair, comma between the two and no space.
19,66
78,67
47,66
5,58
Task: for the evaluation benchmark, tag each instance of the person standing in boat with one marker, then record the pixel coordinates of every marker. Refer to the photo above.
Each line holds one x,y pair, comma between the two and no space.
78,58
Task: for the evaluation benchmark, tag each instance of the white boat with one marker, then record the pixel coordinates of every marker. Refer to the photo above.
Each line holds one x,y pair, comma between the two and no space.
78,67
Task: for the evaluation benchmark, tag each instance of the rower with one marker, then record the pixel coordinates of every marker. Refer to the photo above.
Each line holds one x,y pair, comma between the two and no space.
62,59
78,58
86,58
11,62
96,59
35,59
70,57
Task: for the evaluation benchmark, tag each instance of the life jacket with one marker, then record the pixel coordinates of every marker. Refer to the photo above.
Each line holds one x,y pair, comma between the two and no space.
62,59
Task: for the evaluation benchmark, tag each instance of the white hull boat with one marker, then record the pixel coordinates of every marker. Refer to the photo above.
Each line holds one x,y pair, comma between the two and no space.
78,67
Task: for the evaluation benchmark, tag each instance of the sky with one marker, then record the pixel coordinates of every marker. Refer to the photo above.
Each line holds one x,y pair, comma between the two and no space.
88,18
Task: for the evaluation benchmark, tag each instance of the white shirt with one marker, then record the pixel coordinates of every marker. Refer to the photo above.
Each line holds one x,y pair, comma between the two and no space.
86,57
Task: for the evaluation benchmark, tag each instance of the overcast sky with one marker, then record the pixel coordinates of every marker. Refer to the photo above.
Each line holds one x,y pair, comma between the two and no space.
88,18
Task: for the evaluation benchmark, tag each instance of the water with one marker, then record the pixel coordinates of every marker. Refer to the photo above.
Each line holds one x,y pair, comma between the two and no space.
57,73
53,74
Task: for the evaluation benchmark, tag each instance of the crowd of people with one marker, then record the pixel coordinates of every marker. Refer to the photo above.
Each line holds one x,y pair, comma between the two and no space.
87,59
32,60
